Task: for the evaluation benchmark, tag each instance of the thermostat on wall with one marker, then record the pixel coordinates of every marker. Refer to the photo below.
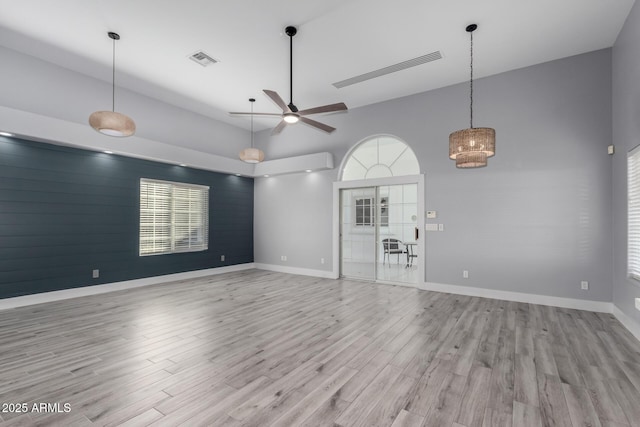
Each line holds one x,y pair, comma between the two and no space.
432,214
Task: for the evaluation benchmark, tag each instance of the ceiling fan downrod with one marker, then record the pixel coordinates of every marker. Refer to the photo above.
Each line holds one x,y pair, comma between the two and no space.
291,31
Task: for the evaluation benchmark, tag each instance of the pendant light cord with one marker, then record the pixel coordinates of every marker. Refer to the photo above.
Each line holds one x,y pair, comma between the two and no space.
251,124
113,78
471,86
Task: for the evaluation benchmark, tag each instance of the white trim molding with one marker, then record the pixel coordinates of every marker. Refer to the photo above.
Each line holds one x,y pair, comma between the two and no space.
83,291
631,324
577,304
295,270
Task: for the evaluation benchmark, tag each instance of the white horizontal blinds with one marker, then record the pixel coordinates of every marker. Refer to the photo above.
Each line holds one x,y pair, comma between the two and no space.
190,224
174,217
155,218
633,213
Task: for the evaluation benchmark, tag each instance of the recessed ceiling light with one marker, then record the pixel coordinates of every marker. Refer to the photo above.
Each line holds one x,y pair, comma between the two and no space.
183,165
6,134
238,174
308,170
266,176
107,152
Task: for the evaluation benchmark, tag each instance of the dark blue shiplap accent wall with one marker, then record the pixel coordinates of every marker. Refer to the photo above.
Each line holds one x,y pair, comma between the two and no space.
66,211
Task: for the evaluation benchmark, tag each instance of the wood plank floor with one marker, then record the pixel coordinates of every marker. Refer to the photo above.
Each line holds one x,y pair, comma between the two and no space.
257,348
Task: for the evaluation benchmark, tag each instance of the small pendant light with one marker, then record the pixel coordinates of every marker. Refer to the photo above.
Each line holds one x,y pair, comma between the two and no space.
471,147
110,122
252,155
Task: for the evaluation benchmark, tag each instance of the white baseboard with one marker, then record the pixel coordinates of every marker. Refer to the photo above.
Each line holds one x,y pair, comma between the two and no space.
116,286
631,324
295,270
578,304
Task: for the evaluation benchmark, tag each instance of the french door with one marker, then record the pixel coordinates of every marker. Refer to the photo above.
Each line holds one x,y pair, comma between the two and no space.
378,233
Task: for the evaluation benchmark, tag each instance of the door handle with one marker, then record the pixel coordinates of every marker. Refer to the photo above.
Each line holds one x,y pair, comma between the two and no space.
415,233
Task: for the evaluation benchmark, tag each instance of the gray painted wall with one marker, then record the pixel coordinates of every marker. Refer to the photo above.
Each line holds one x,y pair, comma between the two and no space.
33,85
536,220
626,135
294,214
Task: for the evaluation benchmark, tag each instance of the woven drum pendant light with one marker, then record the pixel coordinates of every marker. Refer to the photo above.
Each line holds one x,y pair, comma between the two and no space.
471,147
251,155
110,122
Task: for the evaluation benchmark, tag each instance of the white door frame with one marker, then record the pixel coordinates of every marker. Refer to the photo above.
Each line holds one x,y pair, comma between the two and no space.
379,182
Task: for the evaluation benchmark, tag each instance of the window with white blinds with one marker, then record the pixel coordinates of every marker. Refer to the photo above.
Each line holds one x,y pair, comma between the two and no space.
633,213
174,217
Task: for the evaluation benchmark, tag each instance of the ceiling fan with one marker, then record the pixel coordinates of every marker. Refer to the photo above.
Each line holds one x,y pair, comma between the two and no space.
290,113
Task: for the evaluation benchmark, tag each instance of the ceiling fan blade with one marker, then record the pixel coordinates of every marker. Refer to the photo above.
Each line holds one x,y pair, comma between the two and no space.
277,99
276,130
235,113
340,106
317,125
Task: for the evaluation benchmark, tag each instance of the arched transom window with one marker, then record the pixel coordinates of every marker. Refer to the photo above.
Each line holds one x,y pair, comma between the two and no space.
380,157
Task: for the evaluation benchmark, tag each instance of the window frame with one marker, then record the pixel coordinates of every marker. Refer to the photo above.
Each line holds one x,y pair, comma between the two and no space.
172,207
369,208
633,214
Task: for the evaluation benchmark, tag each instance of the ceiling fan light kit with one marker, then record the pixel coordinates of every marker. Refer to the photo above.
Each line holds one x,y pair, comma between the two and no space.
112,123
471,147
252,155
291,118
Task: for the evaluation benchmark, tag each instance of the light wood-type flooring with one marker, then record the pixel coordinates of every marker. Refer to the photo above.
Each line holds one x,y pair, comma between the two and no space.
256,348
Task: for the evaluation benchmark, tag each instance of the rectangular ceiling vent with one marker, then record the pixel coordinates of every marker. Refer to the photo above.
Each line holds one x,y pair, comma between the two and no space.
203,59
433,56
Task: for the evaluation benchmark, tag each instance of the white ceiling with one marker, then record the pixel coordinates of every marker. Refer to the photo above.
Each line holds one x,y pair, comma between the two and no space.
337,39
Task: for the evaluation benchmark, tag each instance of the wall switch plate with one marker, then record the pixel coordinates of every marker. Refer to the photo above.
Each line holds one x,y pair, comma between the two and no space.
584,285
96,273
611,149
321,260
432,214
465,274
431,227
637,303
221,257
440,227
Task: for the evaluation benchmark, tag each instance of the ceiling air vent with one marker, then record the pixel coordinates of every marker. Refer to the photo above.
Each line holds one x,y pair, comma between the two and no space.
433,56
203,59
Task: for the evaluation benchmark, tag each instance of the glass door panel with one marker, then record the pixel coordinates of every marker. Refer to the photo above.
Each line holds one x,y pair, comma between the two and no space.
358,233
397,237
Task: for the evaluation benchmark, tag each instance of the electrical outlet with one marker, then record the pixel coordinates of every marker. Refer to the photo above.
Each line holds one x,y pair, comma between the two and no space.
221,257
283,257
321,260
465,274
584,285
96,273
637,303
440,227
